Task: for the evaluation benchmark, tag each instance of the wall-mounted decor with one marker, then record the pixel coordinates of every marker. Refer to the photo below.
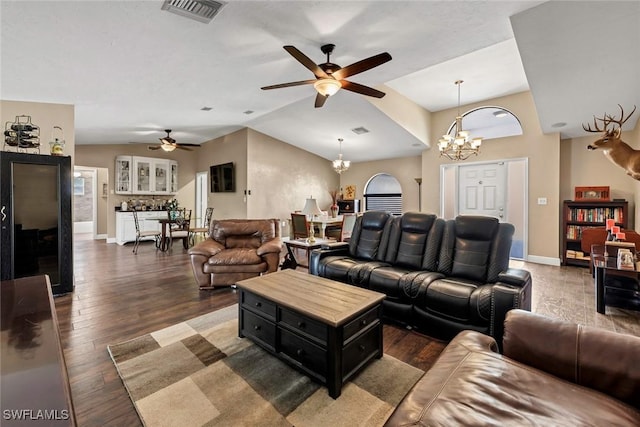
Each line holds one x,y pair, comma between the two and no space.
349,192
614,148
223,178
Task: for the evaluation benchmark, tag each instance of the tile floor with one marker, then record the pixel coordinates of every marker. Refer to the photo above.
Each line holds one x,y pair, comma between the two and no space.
569,293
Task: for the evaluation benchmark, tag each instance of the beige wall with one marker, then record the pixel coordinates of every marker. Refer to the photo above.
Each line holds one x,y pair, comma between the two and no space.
46,116
281,177
405,169
229,148
582,167
543,153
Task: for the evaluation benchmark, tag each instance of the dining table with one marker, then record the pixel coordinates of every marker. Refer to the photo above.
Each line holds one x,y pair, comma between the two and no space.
323,220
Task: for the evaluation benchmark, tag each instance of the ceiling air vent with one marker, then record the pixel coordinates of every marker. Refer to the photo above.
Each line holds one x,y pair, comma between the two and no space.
360,130
200,10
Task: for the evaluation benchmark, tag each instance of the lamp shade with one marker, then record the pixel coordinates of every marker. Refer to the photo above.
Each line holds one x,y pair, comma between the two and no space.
311,207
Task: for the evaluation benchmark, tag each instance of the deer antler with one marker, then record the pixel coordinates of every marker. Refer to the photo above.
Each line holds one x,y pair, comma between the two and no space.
607,119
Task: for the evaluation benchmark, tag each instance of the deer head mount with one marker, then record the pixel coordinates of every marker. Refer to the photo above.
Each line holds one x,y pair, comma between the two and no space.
616,150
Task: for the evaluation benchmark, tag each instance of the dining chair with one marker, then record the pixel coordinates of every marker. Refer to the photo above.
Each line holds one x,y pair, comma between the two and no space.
203,230
299,226
179,229
140,234
348,221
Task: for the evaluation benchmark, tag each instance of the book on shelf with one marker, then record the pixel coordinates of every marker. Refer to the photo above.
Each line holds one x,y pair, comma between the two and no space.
595,214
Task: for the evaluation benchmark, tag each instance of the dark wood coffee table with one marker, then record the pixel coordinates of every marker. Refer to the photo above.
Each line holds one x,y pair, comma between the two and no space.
326,329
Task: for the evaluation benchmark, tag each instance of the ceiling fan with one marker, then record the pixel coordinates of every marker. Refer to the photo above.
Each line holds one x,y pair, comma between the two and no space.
169,144
331,77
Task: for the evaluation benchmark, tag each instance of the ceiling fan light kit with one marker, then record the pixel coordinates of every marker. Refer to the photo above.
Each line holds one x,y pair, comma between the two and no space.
330,77
327,87
462,146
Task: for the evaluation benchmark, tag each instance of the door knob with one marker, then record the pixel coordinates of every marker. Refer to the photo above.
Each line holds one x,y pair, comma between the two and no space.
4,216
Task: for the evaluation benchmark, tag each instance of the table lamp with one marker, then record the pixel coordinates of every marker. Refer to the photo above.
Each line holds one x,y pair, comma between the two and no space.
311,209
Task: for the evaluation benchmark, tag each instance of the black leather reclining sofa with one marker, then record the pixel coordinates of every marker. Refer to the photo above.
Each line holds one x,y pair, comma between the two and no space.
439,276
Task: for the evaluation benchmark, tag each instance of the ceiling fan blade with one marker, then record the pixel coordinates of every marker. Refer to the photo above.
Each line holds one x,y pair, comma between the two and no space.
302,82
306,61
153,147
361,89
360,66
187,145
183,148
320,100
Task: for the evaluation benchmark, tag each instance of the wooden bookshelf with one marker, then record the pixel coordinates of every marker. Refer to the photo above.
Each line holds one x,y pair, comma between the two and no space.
579,215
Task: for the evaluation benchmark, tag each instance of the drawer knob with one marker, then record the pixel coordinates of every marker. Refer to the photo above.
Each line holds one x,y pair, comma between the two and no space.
362,347
256,327
363,322
258,304
300,352
301,325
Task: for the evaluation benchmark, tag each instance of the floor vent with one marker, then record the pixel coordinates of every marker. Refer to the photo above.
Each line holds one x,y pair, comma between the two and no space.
199,10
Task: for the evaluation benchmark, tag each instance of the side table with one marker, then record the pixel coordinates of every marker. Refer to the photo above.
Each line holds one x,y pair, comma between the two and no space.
306,246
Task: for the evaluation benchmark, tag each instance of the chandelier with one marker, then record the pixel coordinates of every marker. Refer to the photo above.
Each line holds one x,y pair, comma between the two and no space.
462,145
340,165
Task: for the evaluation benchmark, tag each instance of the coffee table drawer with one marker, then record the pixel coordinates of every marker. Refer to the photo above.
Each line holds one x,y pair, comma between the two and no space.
304,352
361,322
361,350
258,329
305,325
258,303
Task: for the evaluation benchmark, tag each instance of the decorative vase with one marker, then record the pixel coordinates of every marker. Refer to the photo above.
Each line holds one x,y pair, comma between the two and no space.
334,210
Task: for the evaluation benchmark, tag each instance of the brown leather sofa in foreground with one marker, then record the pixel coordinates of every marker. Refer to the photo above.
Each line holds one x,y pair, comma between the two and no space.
236,249
552,373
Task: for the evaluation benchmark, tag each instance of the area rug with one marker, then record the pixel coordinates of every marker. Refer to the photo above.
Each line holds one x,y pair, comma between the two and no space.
199,373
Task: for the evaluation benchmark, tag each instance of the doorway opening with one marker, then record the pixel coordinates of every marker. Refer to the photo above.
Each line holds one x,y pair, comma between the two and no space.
497,188
84,202
201,197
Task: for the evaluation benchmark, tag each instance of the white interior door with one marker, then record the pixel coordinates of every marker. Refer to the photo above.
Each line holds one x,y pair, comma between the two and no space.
201,197
482,189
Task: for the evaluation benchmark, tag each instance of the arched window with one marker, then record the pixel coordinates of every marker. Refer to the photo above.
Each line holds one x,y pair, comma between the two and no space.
489,122
383,192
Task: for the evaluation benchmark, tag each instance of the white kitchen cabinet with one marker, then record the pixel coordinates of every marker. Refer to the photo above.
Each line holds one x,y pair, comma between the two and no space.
146,175
173,165
142,175
126,227
123,176
161,178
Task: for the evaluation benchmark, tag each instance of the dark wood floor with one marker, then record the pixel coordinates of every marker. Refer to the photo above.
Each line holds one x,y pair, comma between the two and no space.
119,296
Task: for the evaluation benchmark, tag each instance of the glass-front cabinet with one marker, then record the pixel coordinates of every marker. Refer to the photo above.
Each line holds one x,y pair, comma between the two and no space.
174,176
161,176
142,175
146,175
123,175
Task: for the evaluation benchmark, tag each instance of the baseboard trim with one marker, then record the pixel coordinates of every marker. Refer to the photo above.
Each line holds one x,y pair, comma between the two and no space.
544,260
111,239
100,237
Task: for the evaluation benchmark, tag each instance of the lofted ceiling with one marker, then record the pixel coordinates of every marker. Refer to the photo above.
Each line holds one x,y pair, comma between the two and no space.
132,69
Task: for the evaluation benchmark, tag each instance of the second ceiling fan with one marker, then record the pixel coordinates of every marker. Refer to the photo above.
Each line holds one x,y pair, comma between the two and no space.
331,77
169,144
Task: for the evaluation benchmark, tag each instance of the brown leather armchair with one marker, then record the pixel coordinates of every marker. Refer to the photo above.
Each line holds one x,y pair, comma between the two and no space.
236,249
552,372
